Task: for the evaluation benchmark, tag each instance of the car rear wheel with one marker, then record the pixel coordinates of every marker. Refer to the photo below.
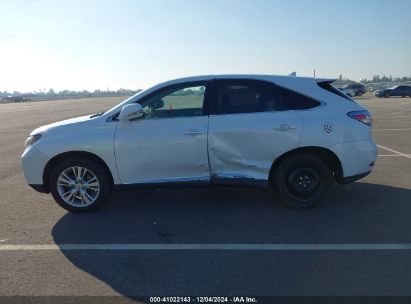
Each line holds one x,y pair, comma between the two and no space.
303,180
79,185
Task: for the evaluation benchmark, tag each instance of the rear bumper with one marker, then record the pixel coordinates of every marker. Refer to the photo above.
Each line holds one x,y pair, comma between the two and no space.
357,158
353,178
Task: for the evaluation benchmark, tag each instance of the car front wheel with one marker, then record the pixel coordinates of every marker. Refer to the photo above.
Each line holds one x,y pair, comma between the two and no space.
79,185
303,180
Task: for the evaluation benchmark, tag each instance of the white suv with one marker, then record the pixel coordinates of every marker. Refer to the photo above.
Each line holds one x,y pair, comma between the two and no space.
294,134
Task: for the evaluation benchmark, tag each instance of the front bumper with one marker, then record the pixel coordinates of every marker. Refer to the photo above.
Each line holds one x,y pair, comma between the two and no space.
40,188
33,163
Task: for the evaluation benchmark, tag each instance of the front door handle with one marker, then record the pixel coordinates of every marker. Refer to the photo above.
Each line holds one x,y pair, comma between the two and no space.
194,132
284,127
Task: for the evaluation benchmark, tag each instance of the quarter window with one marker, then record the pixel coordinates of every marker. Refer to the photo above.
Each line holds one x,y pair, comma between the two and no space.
297,101
175,102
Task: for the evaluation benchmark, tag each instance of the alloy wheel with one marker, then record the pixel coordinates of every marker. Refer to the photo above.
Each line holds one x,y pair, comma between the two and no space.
78,186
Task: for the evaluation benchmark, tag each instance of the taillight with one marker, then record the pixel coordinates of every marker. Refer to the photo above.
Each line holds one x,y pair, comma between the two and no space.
363,116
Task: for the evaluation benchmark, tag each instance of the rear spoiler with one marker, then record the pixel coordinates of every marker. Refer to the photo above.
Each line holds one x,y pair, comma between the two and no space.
329,80
326,85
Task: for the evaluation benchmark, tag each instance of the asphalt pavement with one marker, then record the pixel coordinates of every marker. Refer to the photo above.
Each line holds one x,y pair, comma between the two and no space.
374,210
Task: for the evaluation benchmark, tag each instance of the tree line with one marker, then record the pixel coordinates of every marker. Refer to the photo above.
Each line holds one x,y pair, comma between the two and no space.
70,93
374,80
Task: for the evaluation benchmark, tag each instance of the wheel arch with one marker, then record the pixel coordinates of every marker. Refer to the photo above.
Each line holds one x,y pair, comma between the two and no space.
62,156
330,157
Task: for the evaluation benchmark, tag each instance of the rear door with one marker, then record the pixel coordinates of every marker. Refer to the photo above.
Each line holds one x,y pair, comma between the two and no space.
249,127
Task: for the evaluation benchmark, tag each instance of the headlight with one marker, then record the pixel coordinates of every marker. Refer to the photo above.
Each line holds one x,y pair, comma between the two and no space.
31,140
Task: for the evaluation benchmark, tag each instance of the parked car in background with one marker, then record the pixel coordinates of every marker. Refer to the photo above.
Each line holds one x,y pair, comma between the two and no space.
15,99
293,134
348,92
399,90
358,89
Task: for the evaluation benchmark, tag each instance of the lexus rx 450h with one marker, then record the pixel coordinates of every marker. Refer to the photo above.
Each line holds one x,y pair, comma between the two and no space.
295,135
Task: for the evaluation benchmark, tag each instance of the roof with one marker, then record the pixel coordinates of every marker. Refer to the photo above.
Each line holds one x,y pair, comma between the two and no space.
296,83
273,78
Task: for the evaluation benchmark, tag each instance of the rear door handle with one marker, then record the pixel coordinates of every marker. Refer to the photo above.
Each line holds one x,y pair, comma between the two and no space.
194,132
284,127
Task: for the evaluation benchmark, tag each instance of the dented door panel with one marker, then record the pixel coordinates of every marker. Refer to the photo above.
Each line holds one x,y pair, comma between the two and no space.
244,146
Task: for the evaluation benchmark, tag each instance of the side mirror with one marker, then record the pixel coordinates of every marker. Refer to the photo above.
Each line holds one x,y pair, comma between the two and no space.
131,111
158,104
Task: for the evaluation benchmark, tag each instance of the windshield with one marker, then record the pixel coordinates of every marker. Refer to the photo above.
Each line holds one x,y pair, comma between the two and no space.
125,101
97,114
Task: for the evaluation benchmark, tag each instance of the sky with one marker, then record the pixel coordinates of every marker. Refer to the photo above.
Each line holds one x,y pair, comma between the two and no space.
99,44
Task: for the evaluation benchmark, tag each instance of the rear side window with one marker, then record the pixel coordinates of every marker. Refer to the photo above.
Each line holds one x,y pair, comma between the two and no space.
242,96
247,96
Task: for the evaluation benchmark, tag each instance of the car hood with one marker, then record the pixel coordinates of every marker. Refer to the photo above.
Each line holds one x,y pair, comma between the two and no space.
74,123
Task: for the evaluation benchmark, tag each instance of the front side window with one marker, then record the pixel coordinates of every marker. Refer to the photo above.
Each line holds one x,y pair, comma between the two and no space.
179,101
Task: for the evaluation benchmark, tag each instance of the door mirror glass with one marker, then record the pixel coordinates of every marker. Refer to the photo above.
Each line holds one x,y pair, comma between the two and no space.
157,104
131,111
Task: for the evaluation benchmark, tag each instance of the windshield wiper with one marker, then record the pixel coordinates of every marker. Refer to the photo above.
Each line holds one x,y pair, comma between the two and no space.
97,115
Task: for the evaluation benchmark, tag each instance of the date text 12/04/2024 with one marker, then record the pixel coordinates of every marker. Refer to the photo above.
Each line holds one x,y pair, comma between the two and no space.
240,299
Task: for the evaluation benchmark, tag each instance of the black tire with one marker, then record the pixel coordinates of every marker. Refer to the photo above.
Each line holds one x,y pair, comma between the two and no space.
387,95
104,181
303,180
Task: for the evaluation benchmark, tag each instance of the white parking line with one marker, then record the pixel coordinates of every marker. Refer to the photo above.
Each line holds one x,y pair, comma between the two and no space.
389,155
233,247
390,117
403,129
395,151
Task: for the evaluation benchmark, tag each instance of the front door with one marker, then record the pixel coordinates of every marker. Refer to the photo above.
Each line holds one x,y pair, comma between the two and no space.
169,144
